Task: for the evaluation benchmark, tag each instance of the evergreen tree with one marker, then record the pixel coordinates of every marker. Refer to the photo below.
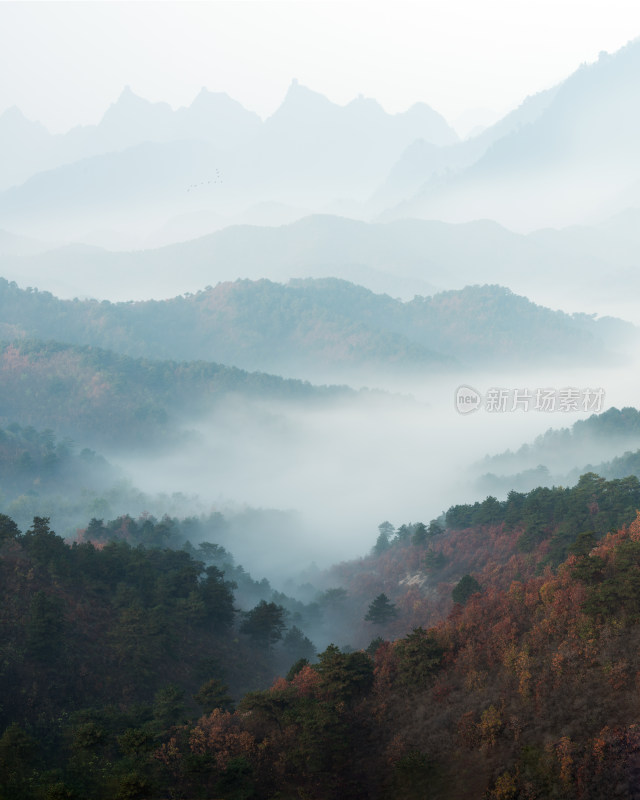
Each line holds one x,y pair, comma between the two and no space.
462,591
381,610
264,623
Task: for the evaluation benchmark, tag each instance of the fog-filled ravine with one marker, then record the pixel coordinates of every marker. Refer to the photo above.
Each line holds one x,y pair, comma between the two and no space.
319,428
338,463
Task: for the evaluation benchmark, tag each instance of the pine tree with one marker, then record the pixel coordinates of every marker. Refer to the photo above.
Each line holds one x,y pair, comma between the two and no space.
381,610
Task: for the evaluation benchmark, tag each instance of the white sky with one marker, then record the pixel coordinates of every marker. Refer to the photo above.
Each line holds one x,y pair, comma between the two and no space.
63,63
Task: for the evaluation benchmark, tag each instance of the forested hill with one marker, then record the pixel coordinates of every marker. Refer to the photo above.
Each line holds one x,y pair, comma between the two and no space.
36,460
613,425
603,443
318,324
96,396
115,658
418,565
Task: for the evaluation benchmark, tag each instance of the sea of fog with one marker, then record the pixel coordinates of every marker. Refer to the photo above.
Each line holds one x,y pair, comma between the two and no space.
402,454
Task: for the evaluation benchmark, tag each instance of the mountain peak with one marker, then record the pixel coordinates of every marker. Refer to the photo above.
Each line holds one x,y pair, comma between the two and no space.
13,114
130,110
12,119
297,89
206,99
128,98
362,103
300,95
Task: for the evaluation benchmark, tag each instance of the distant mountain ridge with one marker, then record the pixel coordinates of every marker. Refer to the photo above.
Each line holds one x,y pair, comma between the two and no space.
319,330
212,117
572,163
213,155
424,161
566,156
592,268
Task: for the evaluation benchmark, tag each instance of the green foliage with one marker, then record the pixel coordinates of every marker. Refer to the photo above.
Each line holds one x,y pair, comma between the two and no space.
132,786
18,752
333,598
217,598
135,741
237,782
560,514
414,776
614,585
296,646
264,624
345,676
419,656
213,694
374,644
383,542
583,544
462,591
45,627
434,561
8,528
168,706
381,610
299,665
420,535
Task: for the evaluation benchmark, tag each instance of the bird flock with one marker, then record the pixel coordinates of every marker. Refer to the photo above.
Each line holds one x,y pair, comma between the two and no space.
216,179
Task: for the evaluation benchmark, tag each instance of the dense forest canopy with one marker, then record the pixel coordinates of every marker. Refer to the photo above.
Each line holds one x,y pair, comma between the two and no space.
125,663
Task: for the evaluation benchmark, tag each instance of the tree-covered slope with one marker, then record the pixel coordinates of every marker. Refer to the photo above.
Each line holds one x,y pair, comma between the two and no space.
103,396
312,325
527,688
603,443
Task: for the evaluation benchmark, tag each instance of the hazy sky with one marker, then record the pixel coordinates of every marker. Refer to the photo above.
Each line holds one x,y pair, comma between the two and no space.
64,63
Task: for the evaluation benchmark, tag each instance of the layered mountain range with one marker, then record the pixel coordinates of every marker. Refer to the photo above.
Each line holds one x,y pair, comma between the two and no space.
149,175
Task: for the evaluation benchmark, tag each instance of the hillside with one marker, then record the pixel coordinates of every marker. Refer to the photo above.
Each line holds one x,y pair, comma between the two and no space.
320,330
107,398
484,699
560,456
524,691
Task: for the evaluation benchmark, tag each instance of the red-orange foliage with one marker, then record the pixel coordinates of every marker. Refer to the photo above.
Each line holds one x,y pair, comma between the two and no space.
221,734
306,682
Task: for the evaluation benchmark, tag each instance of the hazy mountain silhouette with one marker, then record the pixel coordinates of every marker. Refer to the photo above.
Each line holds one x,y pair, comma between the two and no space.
12,245
212,117
424,160
567,166
145,164
26,147
340,149
127,190
576,268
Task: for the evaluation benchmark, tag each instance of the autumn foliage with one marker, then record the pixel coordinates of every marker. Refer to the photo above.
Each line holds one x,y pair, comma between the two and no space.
528,689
